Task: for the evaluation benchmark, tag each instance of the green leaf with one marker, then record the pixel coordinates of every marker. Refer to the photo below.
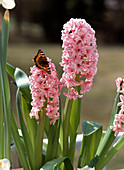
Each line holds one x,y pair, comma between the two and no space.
22,82
109,136
21,79
91,137
5,35
74,124
25,133
6,108
111,152
53,138
18,143
1,123
30,122
10,69
39,137
47,126
89,127
53,141
1,100
5,92
0,36
52,165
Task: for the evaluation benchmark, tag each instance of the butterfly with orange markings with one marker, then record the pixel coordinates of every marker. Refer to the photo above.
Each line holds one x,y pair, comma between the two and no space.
41,61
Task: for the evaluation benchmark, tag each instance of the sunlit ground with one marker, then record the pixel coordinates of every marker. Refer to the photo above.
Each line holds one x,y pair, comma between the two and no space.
96,104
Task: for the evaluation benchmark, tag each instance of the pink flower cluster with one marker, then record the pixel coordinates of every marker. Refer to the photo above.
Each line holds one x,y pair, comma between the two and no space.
119,118
79,57
44,88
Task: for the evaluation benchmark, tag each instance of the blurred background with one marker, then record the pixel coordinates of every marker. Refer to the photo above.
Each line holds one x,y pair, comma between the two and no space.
37,25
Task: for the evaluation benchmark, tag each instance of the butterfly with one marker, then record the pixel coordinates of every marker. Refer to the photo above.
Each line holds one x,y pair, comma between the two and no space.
41,61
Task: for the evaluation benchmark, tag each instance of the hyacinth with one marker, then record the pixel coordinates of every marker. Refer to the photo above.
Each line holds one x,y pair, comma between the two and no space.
119,118
44,88
79,58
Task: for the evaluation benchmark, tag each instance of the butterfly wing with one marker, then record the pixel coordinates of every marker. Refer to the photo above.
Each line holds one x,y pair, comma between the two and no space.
41,61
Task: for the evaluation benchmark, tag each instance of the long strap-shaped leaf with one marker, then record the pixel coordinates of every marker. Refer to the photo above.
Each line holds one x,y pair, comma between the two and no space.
25,133
1,123
30,122
22,82
91,137
39,136
1,99
113,150
5,92
53,141
55,164
109,136
18,143
5,35
6,107
53,138
10,69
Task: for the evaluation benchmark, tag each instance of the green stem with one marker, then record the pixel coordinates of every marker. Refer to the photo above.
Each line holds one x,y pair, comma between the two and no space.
74,124
66,124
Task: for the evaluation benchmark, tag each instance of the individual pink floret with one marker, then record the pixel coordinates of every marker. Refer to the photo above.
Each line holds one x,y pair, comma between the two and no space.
73,94
44,88
80,56
122,102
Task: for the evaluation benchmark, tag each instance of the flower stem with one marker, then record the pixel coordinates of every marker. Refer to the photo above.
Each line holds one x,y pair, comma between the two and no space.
66,124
